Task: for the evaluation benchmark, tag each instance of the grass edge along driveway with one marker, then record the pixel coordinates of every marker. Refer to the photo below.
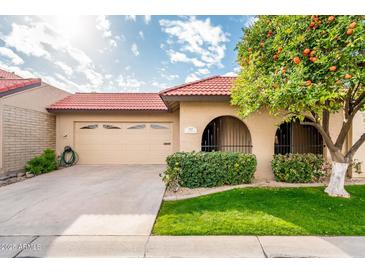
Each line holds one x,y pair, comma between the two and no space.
265,211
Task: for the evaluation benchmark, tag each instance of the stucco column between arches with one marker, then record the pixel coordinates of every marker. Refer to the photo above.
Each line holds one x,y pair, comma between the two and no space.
261,125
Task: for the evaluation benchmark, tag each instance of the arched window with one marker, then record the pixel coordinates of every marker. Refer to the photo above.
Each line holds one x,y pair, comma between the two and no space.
226,133
296,138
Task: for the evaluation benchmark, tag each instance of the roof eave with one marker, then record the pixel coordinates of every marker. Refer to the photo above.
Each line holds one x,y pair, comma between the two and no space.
19,89
58,110
182,98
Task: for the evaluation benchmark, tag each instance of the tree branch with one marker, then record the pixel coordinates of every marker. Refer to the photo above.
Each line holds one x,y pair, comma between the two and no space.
359,102
346,125
326,121
355,147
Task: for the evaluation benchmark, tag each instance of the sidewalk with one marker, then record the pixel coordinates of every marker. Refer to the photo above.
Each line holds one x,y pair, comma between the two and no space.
182,246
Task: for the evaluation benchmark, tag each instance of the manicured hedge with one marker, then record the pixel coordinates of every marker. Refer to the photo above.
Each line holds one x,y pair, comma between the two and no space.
46,162
209,169
299,168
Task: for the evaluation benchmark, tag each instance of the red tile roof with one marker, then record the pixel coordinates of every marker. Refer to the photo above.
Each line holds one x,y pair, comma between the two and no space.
11,82
215,85
110,101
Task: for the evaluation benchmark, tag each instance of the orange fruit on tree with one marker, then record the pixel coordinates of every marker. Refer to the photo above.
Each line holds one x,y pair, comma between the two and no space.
338,82
331,18
249,49
312,53
349,31
306,51
333,68
262,43
276,57
352,25
313,59
280,49
348,76
312,24
308,83
296,60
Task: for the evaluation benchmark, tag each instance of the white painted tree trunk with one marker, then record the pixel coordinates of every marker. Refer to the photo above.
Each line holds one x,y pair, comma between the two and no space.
336,187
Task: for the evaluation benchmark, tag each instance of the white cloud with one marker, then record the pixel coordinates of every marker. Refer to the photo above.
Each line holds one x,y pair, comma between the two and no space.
159,86
191,77
235,71
42,40
66,68
197,39
30,40
250,21
231,73
170,76
130,18
176,57
140,33
147,19
129,83
25,73
95,78
103,24
11,55
69,83
134,49
203,71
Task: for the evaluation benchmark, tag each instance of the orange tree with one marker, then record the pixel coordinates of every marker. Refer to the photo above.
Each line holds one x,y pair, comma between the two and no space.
306,66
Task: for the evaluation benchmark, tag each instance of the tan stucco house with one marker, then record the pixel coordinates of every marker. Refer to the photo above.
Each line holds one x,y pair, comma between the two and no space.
144,128
26,127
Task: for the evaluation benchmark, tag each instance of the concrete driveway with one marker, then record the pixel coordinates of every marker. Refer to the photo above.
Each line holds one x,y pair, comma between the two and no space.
83,200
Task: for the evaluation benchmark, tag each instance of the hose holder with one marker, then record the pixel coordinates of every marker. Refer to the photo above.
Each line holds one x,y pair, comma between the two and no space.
68,157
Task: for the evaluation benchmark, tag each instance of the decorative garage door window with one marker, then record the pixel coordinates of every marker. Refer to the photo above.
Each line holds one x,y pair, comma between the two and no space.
110,127
157,126
140,126
89,127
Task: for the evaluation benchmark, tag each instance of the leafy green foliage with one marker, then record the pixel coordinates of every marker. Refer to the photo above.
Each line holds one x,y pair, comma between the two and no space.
300,64
44,163
265,211
209,169
299,168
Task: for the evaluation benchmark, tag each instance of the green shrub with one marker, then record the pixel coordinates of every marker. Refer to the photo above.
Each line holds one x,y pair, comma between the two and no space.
46,162
209,169
299,168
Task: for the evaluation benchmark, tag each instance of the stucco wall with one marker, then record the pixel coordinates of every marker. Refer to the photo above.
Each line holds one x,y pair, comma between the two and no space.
36,98
261,125
65,124
26,126
358,129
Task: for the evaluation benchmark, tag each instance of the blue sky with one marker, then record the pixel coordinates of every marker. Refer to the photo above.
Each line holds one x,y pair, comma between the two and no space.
120,53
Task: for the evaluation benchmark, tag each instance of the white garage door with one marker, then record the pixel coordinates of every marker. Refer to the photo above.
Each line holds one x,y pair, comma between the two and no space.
122,143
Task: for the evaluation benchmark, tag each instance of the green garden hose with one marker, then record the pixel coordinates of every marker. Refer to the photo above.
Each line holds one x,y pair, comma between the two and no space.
68,157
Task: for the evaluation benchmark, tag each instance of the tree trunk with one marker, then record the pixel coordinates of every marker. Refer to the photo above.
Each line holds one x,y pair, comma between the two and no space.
336,187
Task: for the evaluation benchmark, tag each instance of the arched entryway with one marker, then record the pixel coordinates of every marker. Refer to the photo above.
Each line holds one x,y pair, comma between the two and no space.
292,137
226,133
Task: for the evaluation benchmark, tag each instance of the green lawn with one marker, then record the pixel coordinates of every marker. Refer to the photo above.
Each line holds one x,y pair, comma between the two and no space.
265,211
